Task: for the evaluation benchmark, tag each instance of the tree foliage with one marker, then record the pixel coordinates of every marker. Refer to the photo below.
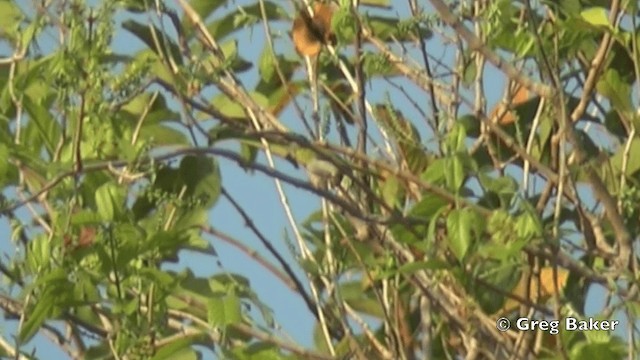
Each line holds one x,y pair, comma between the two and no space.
467,164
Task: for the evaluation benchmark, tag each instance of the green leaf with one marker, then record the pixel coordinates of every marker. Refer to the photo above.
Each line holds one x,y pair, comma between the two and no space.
426,210
194,287
433,225
528,225
244,17
428,207
616,90
376,3
154,112
502,188
163,135
179,349
109,201
354,294
435,172
4,164
191,219
614,349
28,33
248,153
502,251
158,68
224,310
471,125
456,175
343,25
412,267
417,160
127,307
222,283
43,309
390,190
455,170
202,178
143,32
159,277
459,229
48,128
470,73
195,242
263,350
614,124
134,6
266,67
456,138
231,108
230,52
390,29
376,64
203,8
499,274
167,243
596,16
39,253
633,162
55,290
222,132
10,18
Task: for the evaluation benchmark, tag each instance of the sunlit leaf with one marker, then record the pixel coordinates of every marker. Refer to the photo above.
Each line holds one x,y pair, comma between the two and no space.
376,3
179,349
224,310
48,128
163,135
614,349
617,91
10,17
459,232
233,109
596,16
109,200
37,317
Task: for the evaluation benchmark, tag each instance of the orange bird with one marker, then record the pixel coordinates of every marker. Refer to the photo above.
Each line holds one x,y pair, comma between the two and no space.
504,114
310,33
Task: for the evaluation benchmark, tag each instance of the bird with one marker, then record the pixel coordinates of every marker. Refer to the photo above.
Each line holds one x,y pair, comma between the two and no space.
310,33
540,290
504,114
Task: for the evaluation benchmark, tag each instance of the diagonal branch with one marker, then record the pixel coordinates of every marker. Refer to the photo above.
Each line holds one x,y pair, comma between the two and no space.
477,45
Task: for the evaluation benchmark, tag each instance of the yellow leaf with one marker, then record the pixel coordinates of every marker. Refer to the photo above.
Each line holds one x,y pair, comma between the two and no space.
596,16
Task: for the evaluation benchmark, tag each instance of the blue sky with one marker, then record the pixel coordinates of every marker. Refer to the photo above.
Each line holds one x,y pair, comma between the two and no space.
257,194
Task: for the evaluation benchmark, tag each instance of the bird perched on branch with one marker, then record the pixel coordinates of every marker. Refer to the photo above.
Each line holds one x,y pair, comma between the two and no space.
311,32
504,113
